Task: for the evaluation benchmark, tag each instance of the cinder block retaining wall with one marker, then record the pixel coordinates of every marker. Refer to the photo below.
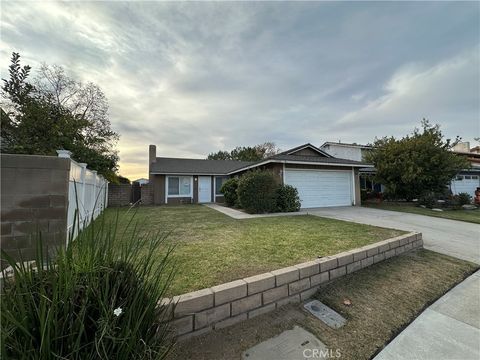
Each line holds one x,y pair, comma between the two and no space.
220,306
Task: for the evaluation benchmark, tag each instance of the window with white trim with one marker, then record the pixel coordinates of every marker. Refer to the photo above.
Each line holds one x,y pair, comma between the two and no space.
179,185
219,180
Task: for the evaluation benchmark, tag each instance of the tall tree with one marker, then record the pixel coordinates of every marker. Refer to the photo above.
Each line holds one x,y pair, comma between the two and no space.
246,153
56,112
416,164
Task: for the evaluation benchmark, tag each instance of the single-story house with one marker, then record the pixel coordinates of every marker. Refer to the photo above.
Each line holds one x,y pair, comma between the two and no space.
320,178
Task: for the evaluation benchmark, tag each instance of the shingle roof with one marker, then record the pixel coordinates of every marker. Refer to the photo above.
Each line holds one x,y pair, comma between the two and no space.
319,159
196,166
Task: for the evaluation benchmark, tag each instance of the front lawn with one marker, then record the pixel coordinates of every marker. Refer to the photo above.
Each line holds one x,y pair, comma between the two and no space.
472,216
212,248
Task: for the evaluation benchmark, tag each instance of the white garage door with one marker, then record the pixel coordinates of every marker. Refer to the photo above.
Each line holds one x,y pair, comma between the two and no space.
318,188
465,184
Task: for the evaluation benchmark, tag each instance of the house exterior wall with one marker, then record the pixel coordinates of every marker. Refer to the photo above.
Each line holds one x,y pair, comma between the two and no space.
158,182
344,152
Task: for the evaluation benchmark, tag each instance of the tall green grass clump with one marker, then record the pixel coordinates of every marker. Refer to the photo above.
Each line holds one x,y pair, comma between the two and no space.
97,299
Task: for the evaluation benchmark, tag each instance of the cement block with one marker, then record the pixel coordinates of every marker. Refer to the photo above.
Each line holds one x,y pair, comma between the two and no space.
399,250
298,286
230,321
210,316
357,265
307,294
383,246
335,273
246,304
404,239
261,311
372,250
389,253
379,257
327,263
286,275
359,254
419,236
193,302
183,325
409,246
344,258
319,278
229,291
367,262
259,283
275,294
294,299
308,269
165,309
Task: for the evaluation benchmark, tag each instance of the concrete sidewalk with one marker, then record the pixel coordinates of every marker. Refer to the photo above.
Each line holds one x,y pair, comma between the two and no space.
448,329
237,214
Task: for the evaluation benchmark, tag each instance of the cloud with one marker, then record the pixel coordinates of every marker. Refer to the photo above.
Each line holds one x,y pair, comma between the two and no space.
193,78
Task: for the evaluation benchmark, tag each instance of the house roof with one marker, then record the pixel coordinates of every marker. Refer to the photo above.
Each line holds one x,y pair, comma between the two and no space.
303,159
304,146
346,145
165,165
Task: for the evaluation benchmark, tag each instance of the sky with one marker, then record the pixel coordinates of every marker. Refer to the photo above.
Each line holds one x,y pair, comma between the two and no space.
197,77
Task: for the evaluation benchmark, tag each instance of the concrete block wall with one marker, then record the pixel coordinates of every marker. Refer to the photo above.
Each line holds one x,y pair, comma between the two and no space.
223,305
119,195
34,199
147,194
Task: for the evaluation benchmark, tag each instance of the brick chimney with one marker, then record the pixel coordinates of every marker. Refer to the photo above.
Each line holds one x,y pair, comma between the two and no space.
152,155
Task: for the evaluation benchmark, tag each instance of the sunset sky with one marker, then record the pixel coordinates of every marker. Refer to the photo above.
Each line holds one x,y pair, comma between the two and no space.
194,78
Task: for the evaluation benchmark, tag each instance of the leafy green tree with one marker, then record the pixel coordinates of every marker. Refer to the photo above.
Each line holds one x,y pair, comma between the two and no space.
246,153
56,112
416,164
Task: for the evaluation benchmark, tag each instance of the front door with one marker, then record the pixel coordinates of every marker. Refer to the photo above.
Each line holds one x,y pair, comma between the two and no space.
204,189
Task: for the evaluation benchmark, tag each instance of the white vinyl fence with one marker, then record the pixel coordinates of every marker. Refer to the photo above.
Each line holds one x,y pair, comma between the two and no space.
87,196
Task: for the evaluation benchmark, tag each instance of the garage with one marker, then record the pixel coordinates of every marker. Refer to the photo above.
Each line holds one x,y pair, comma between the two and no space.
320,188
466,183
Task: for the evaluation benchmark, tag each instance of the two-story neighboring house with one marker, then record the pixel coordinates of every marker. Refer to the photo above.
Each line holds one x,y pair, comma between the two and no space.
468,180
354,152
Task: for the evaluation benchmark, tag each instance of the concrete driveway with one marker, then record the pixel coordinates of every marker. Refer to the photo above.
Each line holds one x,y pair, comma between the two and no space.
455,238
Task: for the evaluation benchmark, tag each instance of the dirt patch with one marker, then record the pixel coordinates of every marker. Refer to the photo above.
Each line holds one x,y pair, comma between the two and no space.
384,299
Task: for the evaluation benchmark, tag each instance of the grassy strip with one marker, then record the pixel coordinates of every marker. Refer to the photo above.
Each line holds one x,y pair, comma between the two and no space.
385,297
472,216
212,248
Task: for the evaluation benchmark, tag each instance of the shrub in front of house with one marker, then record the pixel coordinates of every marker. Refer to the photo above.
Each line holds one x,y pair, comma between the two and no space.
95,300
257,192
229,191
287,199
464,199
428,200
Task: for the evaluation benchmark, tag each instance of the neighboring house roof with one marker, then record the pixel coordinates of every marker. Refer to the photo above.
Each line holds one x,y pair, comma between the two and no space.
304,146
195,166
347,145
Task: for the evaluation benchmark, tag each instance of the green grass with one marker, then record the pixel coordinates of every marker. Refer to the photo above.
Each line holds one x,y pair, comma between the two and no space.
472,216
212,248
